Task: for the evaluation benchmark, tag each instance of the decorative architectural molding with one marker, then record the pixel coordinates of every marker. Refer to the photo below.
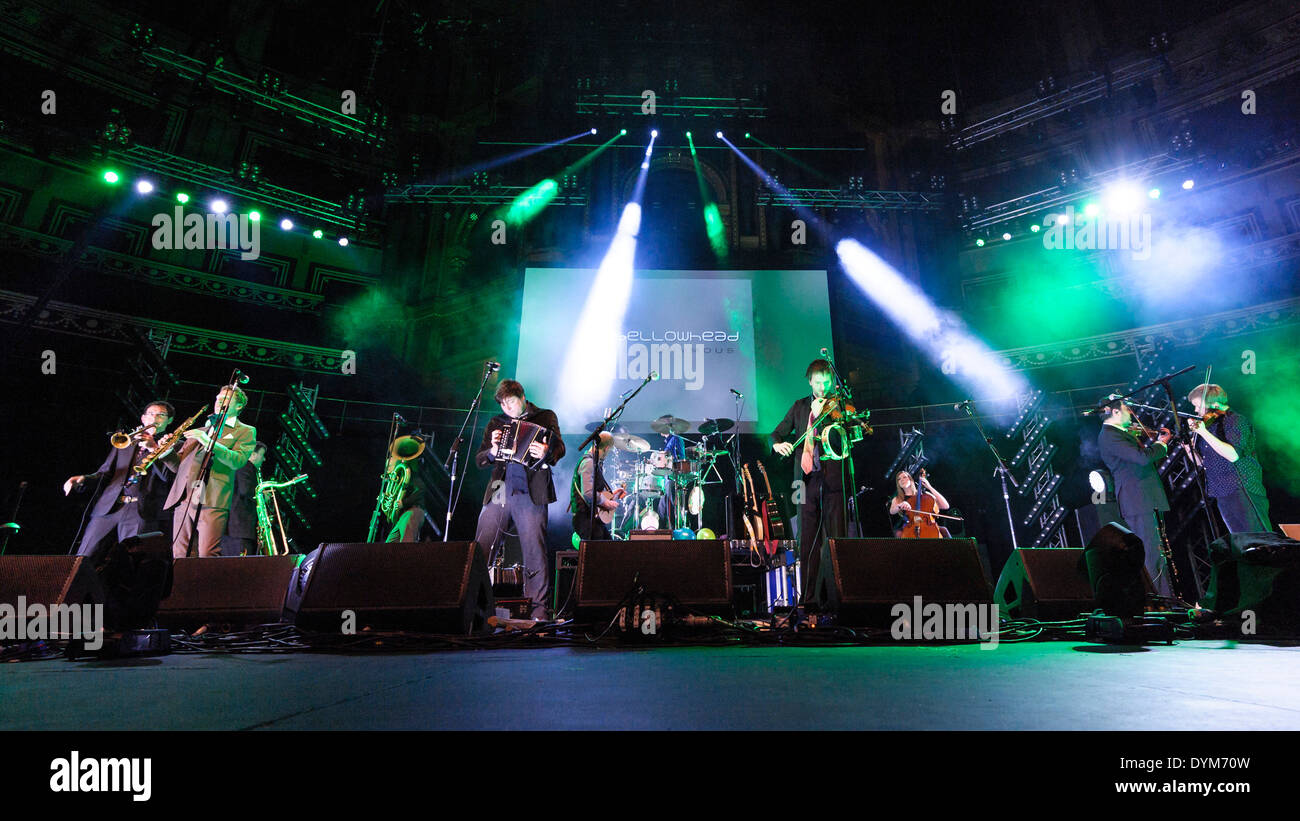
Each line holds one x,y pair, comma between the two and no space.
1139,340
43,246
106,326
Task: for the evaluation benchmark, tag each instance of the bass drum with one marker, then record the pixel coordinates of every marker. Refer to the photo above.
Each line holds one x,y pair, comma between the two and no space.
695,500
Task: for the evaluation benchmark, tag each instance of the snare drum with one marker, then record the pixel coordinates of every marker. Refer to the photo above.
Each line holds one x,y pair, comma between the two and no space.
647,482
684,469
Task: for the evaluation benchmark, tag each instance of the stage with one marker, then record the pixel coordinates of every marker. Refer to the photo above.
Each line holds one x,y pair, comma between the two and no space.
1043,685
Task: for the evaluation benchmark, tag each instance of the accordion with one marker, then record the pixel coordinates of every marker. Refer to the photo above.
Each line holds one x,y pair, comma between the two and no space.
517,437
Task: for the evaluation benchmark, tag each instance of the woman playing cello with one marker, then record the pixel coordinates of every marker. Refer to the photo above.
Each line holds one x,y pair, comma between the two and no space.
913,502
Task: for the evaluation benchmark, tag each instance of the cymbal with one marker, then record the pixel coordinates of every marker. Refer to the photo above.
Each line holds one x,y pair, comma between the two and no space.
631,443
669,424
712,426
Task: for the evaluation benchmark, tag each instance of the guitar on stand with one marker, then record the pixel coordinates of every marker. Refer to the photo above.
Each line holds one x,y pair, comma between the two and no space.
771,507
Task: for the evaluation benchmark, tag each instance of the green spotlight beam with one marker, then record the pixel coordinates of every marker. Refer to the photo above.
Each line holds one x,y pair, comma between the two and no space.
532,202
713,225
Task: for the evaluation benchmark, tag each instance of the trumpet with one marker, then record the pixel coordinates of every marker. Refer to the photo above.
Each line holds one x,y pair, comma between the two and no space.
121,439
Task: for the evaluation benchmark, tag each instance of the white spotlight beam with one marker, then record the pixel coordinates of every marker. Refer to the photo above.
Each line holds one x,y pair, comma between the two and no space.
961,355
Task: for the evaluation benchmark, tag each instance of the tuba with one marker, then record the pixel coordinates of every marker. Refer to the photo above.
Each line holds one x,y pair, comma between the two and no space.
397,473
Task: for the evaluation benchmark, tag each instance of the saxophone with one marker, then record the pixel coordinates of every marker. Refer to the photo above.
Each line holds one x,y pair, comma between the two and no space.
168,442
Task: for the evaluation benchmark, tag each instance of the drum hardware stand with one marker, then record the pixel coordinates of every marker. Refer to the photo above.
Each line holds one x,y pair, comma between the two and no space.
453,491
1001,471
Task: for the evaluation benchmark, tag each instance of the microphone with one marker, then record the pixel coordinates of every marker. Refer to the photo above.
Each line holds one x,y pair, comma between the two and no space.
652,377
493,366
738,394
399,417
241,377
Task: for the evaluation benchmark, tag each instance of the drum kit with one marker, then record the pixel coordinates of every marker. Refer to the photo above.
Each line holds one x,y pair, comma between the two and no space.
661,480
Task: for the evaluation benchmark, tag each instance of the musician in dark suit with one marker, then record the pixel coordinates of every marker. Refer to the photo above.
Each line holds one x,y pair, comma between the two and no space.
518,492
1138,487
127,504
588,480
199,519
821,511
241,527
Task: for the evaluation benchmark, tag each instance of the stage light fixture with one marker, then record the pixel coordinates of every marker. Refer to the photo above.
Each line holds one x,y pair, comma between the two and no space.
1006,236
1154,193
1122,198
182,197
593,132
318,233
747,135
622,132
718,134
254,216
343,241
1091,209
979,243
654,132
219,206
144,186
286,225
1187,184
688,135
1035,228
111,177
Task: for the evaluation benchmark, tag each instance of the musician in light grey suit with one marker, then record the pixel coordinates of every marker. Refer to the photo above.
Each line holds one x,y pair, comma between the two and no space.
520,491
211,507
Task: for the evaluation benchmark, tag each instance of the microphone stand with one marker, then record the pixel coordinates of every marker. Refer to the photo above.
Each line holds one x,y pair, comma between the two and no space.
1002,472
454,456
595,454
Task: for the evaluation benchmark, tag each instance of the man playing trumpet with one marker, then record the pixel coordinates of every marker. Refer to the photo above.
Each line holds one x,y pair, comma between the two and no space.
126,503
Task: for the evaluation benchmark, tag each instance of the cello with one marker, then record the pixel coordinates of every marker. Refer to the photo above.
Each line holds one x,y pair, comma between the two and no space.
921,522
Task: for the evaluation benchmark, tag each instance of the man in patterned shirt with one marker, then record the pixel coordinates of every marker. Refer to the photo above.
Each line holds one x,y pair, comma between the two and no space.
1226,444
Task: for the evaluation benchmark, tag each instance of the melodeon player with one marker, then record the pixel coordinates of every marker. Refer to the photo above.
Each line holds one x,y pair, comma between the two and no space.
521,486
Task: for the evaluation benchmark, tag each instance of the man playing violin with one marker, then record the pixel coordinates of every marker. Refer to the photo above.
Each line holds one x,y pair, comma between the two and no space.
1225,442
1138,487
821,513
908,497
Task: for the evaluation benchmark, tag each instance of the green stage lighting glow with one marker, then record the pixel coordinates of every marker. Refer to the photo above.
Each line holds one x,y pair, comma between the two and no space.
254,216
182,197
111,177
1091,209
979,243
530,203
1035,228
318,233
624,131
